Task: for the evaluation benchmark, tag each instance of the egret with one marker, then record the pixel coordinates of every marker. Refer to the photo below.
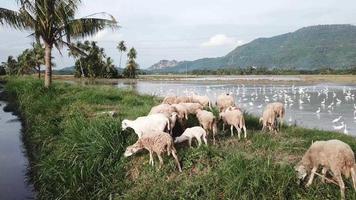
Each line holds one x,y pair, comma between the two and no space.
337,119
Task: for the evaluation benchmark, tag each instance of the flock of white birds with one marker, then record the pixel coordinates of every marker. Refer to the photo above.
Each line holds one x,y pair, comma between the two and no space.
321,106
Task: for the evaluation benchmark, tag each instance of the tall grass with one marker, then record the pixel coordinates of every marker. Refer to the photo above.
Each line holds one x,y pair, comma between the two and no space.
76,154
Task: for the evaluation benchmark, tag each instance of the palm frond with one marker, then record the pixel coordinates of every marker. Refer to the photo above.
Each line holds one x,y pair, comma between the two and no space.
11,18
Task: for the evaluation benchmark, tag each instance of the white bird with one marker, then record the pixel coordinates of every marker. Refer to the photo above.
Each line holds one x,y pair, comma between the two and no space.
318,111
260,106
339,127
346,132
337,119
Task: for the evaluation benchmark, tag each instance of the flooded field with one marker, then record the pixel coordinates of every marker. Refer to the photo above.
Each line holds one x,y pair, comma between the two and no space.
13,162
323,106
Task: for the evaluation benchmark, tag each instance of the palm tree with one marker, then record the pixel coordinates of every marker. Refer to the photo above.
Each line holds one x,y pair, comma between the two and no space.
38,52
122,48
53,21
132,54
131,64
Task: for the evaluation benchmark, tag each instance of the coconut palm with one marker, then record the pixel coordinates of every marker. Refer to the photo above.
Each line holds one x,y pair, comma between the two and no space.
122,48
131,67
53,21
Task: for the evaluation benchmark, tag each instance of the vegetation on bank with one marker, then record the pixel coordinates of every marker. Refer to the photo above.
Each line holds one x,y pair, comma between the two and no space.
76,154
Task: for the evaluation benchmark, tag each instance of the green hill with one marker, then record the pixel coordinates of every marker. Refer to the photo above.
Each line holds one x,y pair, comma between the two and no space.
309,48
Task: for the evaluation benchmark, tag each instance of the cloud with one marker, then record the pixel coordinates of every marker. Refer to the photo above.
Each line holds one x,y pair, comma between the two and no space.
221,40
107,35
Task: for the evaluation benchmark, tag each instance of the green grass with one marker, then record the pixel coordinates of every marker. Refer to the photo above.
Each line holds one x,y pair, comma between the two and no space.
75,154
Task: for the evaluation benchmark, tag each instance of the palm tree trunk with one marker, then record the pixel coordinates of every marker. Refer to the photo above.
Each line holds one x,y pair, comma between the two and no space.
120,58
48,63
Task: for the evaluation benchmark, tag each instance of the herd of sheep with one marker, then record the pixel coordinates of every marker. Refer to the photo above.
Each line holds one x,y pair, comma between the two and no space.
155,134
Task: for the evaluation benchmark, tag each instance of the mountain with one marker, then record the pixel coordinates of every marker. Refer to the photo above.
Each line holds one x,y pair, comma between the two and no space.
309,48
64,71
162,64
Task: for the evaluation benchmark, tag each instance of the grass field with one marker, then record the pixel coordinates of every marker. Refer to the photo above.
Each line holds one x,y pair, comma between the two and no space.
76,154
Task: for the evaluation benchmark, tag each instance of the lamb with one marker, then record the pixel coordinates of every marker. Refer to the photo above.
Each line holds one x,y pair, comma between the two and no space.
207,121
224,101
202,100
145,124
182,99
333,155
234,117
268,119
169,100
279,110
192,107
195,132
156,142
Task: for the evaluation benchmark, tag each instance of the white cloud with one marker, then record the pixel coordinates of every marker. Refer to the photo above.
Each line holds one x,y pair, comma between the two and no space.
107,35
220,40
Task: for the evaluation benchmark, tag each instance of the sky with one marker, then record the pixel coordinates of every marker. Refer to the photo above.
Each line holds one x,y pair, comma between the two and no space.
189,29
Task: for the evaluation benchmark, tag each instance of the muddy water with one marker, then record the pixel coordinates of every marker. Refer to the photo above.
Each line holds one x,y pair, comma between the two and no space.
13,162
302,102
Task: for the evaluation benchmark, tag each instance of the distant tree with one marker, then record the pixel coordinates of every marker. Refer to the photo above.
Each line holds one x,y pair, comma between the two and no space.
131,67
11,66
26,62
92,61
39,53
53,21
122,48
2,70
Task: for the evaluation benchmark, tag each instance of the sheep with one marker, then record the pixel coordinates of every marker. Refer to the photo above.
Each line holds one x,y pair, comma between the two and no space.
234,117
169,100
182,112
279,110
162,108
203,100
183,99
333,155
195,132
268,119
192,107
207,121
155,142
145,124
224,101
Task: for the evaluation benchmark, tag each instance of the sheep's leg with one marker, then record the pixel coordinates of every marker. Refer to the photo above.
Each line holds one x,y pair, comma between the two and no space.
323,172
160,160
190,142
223,127
245,132
232,130
177,160
206,141
151,158
353,175
199,141
311,178
341,184
238,131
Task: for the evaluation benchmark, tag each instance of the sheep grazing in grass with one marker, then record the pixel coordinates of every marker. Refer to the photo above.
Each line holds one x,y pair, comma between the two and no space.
183,99
156,142
169,100
234,117
268,120
162,108
192,108
196,132
146,124
202,100
207,121
333,155
224,101
279,111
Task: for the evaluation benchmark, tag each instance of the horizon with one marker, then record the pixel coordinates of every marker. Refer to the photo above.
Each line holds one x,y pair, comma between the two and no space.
159,33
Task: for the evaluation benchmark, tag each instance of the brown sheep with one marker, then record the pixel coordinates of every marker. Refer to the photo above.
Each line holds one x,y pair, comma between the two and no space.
192,107
207,121
268,119
234,117
157,142
169,100
183,99
224,101
279,110
203,100
333,155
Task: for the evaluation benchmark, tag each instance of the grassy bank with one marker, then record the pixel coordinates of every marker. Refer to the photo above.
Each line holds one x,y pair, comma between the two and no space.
78,155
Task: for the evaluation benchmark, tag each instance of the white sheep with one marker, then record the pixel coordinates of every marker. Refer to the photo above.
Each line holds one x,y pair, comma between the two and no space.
234,117
183,99
192,107
224,101
208,121
203,100
156,142
268,119
169,100
279,110
146,124
196,132
162,108
333,155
